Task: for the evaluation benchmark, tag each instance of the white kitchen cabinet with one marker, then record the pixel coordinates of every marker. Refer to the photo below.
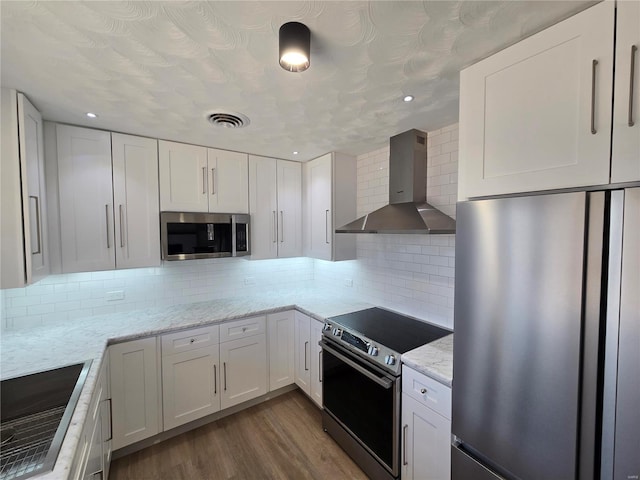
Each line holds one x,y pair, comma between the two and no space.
315,353
536,116
190,375
281,327
198,179
135,200
25,255
107,186
625,160
244,369
329,198
275,204
426,427
135,395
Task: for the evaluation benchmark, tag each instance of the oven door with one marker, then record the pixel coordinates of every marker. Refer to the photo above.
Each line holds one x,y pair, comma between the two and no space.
364,400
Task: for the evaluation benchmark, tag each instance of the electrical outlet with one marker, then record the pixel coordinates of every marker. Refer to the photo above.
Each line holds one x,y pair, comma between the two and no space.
115,295
249,281
348,282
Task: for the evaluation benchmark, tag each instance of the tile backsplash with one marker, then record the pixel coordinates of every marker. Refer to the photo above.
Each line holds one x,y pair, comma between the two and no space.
413,274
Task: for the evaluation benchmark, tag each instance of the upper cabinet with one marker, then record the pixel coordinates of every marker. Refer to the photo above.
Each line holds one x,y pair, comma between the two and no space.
25,256
108,208
275,204
625,163
329,198
537,115
200,179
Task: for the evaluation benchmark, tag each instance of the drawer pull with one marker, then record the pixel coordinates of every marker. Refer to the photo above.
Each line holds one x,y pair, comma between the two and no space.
423,391
634,49
192,340
594,64
404,449
244,329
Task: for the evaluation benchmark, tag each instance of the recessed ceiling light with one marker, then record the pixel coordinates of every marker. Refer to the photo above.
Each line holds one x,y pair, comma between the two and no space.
408,98
91,115
295,153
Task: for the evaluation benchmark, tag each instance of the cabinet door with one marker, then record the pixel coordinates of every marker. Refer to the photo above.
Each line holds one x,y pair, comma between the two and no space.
86,199
244,369
263,207
34,198
183,177
536,115
281,345
316,361
302,352
134,391
319,207
289,208
426,442
190,387
228,177
625,162
135,199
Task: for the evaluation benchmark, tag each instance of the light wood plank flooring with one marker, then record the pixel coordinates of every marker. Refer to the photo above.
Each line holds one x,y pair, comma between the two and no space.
278,439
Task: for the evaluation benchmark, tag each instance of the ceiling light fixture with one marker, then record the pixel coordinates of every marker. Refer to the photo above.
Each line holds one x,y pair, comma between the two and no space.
408,98
91,115
295,46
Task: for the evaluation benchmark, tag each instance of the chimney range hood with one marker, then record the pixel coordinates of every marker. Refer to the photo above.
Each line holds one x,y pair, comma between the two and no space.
408,210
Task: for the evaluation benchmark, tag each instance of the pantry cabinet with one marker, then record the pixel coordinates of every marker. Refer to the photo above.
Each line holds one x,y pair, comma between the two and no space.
426,427
275,204
23,214
281,328
329,198
107,191
307,356
537,115
135,393
200,179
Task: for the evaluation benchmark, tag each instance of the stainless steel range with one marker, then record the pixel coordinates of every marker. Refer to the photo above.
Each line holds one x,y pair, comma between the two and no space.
361,383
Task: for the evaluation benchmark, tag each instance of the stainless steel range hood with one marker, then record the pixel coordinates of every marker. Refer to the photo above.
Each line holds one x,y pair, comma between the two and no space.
408,210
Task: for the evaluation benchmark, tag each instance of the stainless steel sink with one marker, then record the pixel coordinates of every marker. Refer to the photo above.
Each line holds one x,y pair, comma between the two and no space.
35,411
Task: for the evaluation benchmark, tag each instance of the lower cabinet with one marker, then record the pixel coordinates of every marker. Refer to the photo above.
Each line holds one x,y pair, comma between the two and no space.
307,355
244,369
135,395
281,331
426,427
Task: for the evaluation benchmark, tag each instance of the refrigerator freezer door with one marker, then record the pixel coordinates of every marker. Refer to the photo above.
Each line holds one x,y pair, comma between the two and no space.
518,326
463,466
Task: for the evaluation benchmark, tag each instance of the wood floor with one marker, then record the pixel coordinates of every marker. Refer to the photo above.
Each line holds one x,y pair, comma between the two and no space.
279,439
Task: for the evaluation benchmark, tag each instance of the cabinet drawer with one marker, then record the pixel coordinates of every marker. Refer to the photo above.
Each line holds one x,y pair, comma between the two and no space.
243,328
427,391
189,340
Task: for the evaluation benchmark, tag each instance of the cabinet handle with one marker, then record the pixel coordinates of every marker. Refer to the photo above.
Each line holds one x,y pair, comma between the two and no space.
281,226
423,391
306,346
110,421
224,367
204,180
106,212
594,64
326,228
215,379
275,226
213,181
121,228
38,226
320,366
634,49
404,446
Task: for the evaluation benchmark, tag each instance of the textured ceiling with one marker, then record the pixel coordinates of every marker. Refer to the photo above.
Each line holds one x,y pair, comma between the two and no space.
157,68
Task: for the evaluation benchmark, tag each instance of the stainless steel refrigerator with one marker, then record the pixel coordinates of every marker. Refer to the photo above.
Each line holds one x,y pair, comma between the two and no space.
546,376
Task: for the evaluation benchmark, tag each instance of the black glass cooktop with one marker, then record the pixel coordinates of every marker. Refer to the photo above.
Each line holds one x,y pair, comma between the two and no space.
394,331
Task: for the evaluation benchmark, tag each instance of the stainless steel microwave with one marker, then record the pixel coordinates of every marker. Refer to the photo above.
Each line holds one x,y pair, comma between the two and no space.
187,235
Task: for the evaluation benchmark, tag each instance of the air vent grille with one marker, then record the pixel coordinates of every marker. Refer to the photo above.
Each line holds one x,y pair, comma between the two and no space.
228,120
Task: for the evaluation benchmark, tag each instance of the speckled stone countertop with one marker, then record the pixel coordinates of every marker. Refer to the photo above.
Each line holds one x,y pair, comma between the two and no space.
28,351
434,359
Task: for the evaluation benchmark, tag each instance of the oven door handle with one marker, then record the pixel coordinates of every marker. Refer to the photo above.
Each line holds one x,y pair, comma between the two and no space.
382,381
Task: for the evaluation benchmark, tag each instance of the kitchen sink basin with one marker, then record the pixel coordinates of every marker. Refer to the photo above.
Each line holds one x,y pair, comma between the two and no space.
35,411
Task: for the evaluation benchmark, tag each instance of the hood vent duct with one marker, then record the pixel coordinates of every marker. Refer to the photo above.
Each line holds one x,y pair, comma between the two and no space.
408,210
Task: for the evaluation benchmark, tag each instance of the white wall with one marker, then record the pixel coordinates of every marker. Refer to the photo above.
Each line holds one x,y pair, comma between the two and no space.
413,274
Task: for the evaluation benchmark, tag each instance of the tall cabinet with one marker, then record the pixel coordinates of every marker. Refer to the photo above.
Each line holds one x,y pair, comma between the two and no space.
108,206
275,192
329,198
25,255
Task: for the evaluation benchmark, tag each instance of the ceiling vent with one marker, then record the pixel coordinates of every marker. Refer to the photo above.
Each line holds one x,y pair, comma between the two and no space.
228,120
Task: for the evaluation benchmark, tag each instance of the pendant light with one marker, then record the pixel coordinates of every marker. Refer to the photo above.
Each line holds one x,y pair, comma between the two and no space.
295,45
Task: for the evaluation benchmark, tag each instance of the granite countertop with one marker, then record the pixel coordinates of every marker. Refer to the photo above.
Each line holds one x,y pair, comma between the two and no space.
28,351
434,359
